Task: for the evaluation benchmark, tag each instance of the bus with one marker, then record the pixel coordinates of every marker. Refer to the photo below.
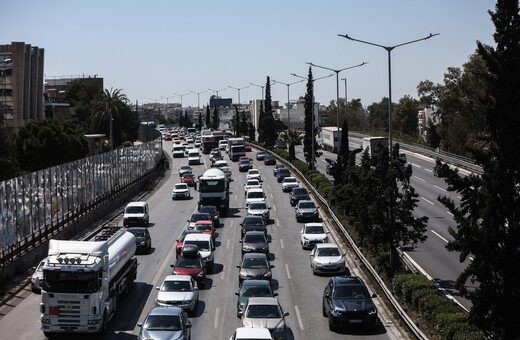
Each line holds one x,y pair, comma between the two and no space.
218,136
207,143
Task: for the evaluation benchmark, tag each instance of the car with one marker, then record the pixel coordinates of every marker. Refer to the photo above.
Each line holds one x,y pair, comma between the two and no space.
253,288
255,242
220,164
299,193
255,266
260,209
37,277
176,140
222,144
244,165
180,240
254,174
189,179
189,262
260,155
269,159
328,169
143,240
265,312
276,168
307,210
136,214
244,157
346,301
402,157
288,183
193,156
440,169
184,169
281,174
188,149
252,184
197,142
178,151
312,234
248,333
326,258
190,140
247,147
205,246
215,156
165,323
198,216
252,223
205,227
180,291
227,170
254,195
167,137
181,190
213,212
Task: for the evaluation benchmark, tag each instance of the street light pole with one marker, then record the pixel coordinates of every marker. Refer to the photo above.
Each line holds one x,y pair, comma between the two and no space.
198,97
345,79
238,89
288,100
262,86
312,118
389,50
181,95
217,91
337,89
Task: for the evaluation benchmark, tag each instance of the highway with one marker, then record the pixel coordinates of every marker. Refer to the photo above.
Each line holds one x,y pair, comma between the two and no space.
300,292
431,256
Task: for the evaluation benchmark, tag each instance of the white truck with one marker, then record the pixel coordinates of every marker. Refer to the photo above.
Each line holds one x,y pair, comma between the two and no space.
83,281
330,138
372,145
214,190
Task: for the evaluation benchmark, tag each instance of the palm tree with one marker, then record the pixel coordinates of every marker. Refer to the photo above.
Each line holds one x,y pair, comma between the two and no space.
292,138
108,102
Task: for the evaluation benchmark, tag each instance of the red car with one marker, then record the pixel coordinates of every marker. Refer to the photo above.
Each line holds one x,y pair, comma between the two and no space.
206,227
188,179
247,147
190,263
180,240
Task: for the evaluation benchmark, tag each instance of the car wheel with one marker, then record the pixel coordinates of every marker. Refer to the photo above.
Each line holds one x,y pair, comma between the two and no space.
323,310
332,327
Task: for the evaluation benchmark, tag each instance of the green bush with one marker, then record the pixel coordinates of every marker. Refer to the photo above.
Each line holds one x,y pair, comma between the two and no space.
449,308
406,284
468,332
419,293
428,303
444,323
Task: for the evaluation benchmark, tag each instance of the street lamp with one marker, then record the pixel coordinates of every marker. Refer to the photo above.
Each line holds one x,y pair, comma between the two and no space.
312,106
181,95
288,100
388,49
198,97
167,101
337,89
238,89
262,86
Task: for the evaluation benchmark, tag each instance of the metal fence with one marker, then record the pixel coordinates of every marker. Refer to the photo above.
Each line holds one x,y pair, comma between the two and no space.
34,204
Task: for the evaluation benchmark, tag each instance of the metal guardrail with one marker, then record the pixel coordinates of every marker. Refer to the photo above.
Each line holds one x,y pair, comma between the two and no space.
409,322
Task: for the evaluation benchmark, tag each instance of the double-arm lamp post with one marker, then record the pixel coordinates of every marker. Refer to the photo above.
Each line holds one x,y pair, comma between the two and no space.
238,89
389,50
288,104
217,91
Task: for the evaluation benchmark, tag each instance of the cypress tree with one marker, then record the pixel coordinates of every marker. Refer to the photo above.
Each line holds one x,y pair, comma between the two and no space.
208,116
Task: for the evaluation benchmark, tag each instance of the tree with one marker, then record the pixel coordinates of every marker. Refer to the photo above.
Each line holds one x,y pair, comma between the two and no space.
216,118
343,155
292,138
404,116
251,129
8,165
43,143
488,223
378,114
81,95
433,137
199,125
268,123
208,116
110,105
308,139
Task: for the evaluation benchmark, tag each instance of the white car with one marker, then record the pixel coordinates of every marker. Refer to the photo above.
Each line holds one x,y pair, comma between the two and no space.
259,209
181,190
178,291
188,148
265,312
254,195
249,333
189,140
220,164
37,277
289,183
193,156
312,234
327,258
254,174
252,184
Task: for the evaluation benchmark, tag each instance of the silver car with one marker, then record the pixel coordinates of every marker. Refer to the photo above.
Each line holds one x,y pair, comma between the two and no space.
265,312
180,291
164,323
259,209
288,183
312,234
326,258
36,277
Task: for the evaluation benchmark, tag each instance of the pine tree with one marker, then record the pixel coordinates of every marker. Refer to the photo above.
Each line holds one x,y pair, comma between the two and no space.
343,156
308,124
199,127
269,124
216,118
208,116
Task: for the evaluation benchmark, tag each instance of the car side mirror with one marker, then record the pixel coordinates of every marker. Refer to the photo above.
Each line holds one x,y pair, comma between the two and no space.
172,265
327,232
272,266
269,208
374,295
188,221
157,288
268,241
188,325
240,241
312,255
327,295
344,254
286,314
301,231
275,294
240,314
238,267
195,288
140,324
237,294
177,240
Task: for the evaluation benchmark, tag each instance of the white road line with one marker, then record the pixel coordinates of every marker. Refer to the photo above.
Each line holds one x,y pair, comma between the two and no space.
227,244
419,178
281,243
428,201
215,324
287,269
428,170
438,187
298,317
274,207
442,238
272,197
415,165
277,223
449,213
222,275
471,258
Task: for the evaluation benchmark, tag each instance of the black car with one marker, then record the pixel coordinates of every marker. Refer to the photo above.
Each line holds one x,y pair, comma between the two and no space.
440,169
346,301
213,212
143,241
276,168
253,223
306,210
244,165
281,174
299,193
269,159
255,242
255,266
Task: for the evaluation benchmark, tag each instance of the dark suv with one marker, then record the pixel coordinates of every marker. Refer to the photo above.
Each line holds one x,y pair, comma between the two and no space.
299,193
281,174
346,301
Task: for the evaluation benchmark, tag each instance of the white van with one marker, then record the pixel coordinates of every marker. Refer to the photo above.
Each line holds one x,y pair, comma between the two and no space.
222,144
193,157
254,195
178,151
136,214
206,247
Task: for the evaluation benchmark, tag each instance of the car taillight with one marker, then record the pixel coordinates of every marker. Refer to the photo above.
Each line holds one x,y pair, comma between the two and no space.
54,310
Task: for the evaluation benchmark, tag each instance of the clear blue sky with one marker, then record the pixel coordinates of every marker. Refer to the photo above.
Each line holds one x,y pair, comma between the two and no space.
153,49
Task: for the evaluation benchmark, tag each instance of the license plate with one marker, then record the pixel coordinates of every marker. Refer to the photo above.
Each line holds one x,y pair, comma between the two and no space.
355,321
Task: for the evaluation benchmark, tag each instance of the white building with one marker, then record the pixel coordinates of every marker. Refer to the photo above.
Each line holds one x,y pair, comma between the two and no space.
296,113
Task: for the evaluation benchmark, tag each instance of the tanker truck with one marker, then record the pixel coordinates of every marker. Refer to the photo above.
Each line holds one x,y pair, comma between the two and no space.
214,190
83,281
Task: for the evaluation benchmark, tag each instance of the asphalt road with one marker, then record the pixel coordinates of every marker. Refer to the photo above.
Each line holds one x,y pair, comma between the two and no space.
300,292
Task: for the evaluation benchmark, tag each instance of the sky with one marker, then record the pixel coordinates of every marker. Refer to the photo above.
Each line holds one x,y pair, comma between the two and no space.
152,50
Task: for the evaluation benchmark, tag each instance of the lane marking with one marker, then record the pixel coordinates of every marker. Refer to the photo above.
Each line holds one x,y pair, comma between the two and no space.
428,201
274,207
471,258
438,187
215,323
428,170
222,275
419,178
227,244
442,238
449,213
300,323
415,165
287,269
281,243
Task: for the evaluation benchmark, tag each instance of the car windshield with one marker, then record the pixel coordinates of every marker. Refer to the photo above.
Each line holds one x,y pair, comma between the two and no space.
209,210
137,233
203,227
180,186
314,230
187,232
253,172
256,291
188,262
200,217
185,167
253,182
187,176
176,286
255,194
328,252
163,323
290,180
203,245
263,311
307,205
244,162
254,238
258,206
300,191
253,221
351,292
254,263
135,210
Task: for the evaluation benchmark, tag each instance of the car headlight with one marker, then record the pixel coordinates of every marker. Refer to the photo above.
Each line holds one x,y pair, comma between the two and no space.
268,274
335,312
201,274
142,243
305,238
279,330
372,312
